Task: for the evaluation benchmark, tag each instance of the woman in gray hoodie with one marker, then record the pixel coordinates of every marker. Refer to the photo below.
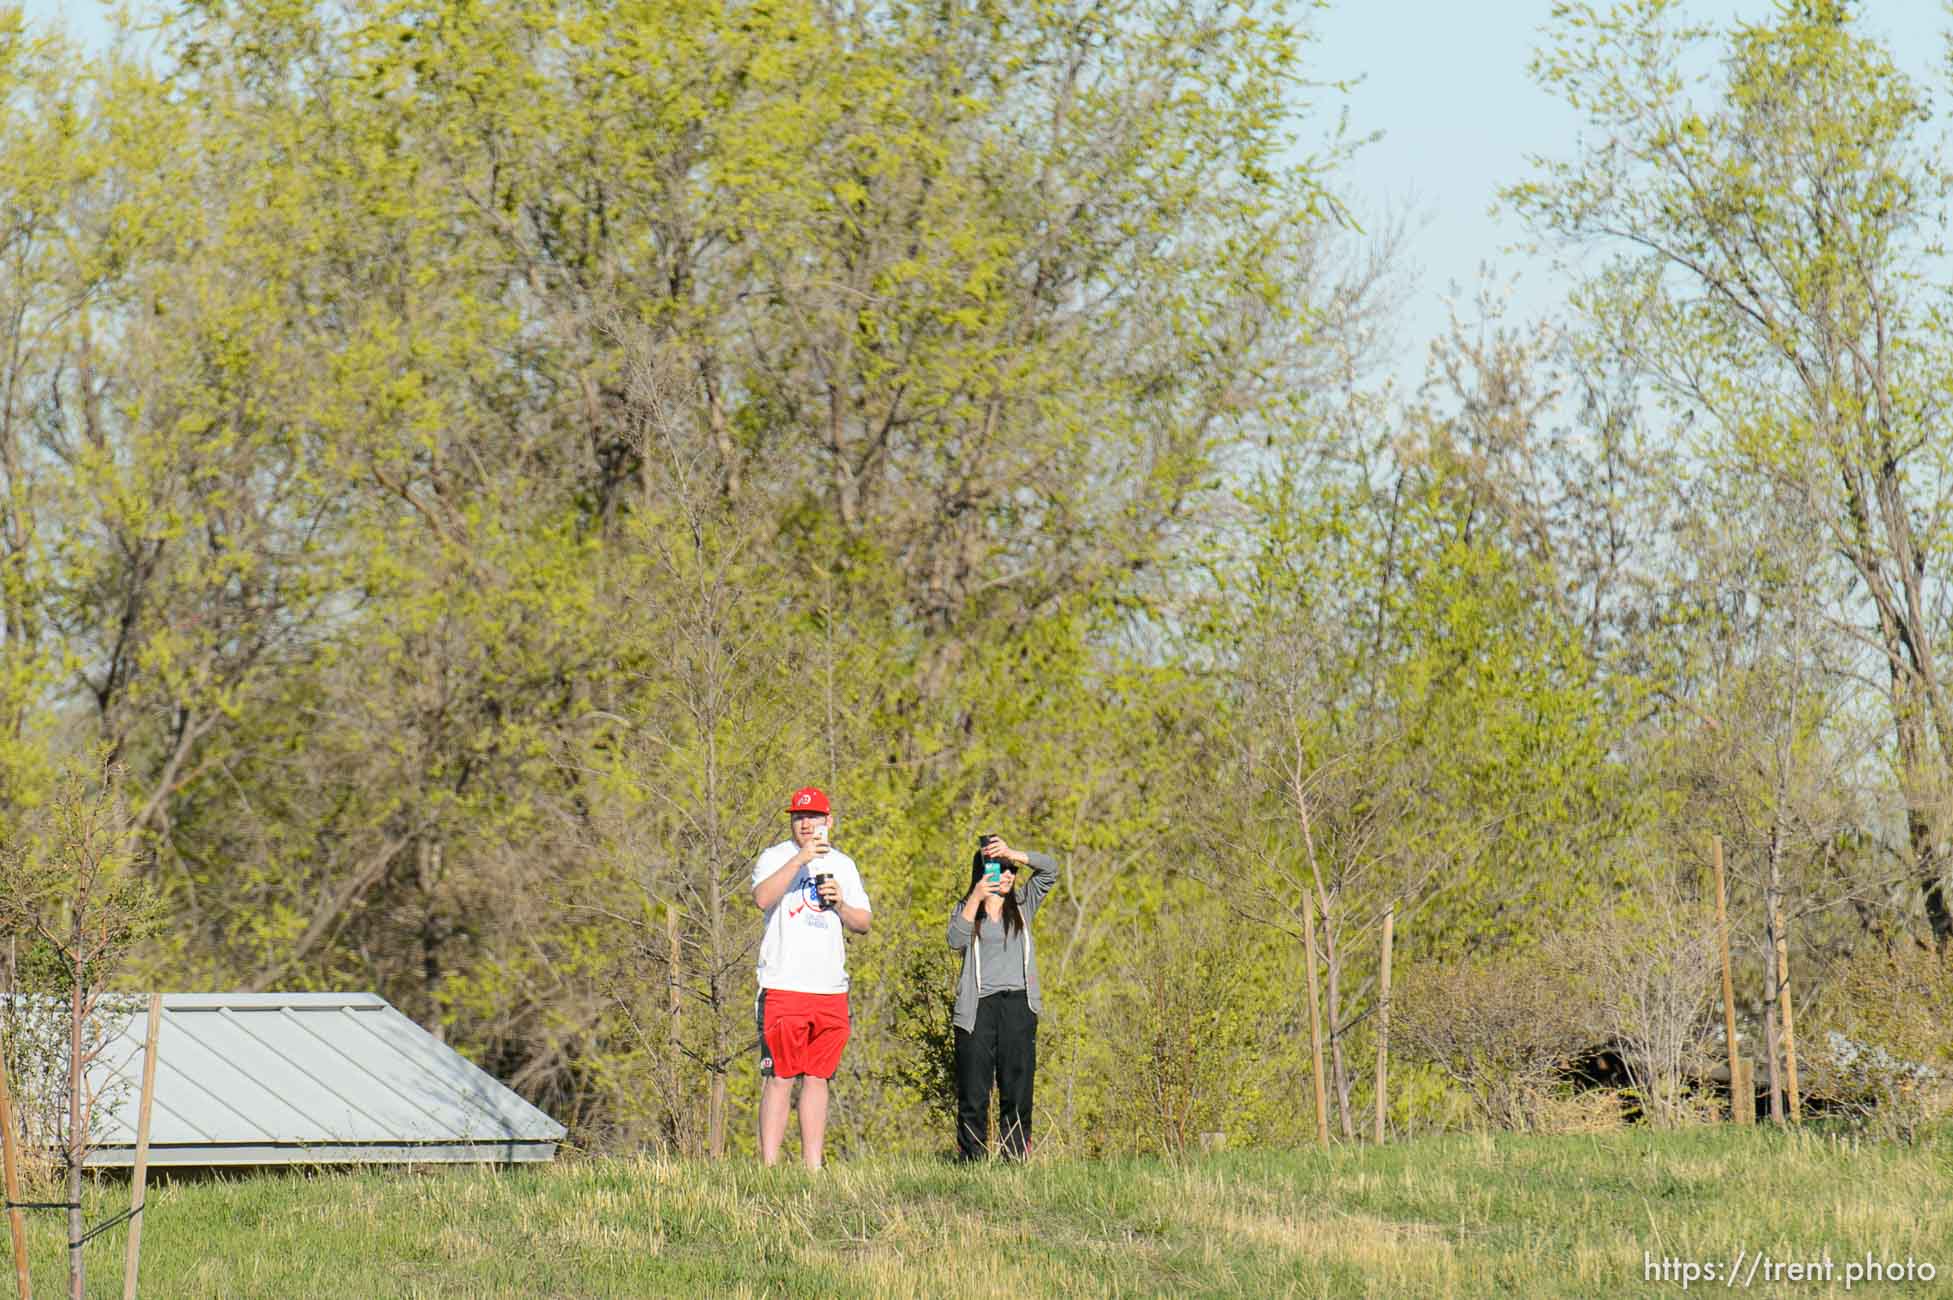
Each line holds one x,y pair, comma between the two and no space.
997,999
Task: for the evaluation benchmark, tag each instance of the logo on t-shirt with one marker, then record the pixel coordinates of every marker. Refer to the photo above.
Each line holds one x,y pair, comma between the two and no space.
810,899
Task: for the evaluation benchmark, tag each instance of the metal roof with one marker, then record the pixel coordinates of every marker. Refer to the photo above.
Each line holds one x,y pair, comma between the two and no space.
304,1078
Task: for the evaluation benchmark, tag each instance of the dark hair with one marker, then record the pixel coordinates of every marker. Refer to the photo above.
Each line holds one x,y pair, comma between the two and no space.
1012,918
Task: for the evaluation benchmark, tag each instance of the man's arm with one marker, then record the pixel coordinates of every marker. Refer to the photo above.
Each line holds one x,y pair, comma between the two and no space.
770,891
854,918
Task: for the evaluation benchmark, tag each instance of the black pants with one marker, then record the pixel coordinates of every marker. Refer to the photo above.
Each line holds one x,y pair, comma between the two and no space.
1003,1048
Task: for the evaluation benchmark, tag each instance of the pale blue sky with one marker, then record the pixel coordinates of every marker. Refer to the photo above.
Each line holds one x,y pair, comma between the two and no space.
1445,83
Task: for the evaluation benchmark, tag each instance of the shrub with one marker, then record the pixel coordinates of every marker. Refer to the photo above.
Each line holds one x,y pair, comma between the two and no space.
1205,1025
1654,976
1504,1030
921,1066
1880,1053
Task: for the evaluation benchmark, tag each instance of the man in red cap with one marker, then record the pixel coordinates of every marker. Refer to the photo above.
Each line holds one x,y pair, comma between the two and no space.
809,892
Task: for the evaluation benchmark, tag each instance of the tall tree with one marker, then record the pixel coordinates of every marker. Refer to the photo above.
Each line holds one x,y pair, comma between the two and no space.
1769,226
348,521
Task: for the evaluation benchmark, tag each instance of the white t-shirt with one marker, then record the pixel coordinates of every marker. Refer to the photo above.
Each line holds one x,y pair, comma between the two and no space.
802,946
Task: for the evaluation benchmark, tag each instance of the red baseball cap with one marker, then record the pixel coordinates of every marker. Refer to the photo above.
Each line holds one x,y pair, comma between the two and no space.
808,799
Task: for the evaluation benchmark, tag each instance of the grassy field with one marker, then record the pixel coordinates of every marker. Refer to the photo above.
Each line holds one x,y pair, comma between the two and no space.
1459,1216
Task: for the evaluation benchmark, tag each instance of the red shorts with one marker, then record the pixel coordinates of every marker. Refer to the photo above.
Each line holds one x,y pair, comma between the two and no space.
800,1033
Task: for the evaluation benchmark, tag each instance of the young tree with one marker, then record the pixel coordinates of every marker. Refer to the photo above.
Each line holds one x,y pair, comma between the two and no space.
1407,727
710,720
1768,752
73,893
1650,960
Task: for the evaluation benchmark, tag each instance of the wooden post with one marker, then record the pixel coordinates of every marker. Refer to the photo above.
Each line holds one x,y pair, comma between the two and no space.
1315,1025
8,1138
1383,1016
1742,1091
1728,984
132,1259
674,1048
1789,1027
715,1119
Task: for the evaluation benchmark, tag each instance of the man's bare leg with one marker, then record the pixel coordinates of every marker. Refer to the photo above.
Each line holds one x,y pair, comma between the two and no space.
813,1119
776,1100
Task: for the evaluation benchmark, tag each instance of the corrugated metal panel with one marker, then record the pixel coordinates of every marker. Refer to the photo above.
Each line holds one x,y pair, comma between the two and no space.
284,1078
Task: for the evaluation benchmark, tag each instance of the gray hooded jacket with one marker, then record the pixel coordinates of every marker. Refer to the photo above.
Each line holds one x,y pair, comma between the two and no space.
963,939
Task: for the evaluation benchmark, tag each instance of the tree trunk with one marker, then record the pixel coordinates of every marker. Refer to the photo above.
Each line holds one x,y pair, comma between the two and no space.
1911,691
77,1124
1315,1022
428,871
1919,696
675,1037
1383,1017
1299,791
1728,983
716,1114
1919,778
1333,1007
1338,1068
1930,878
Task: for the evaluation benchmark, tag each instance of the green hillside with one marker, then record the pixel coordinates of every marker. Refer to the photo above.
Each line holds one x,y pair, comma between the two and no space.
1455,1216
